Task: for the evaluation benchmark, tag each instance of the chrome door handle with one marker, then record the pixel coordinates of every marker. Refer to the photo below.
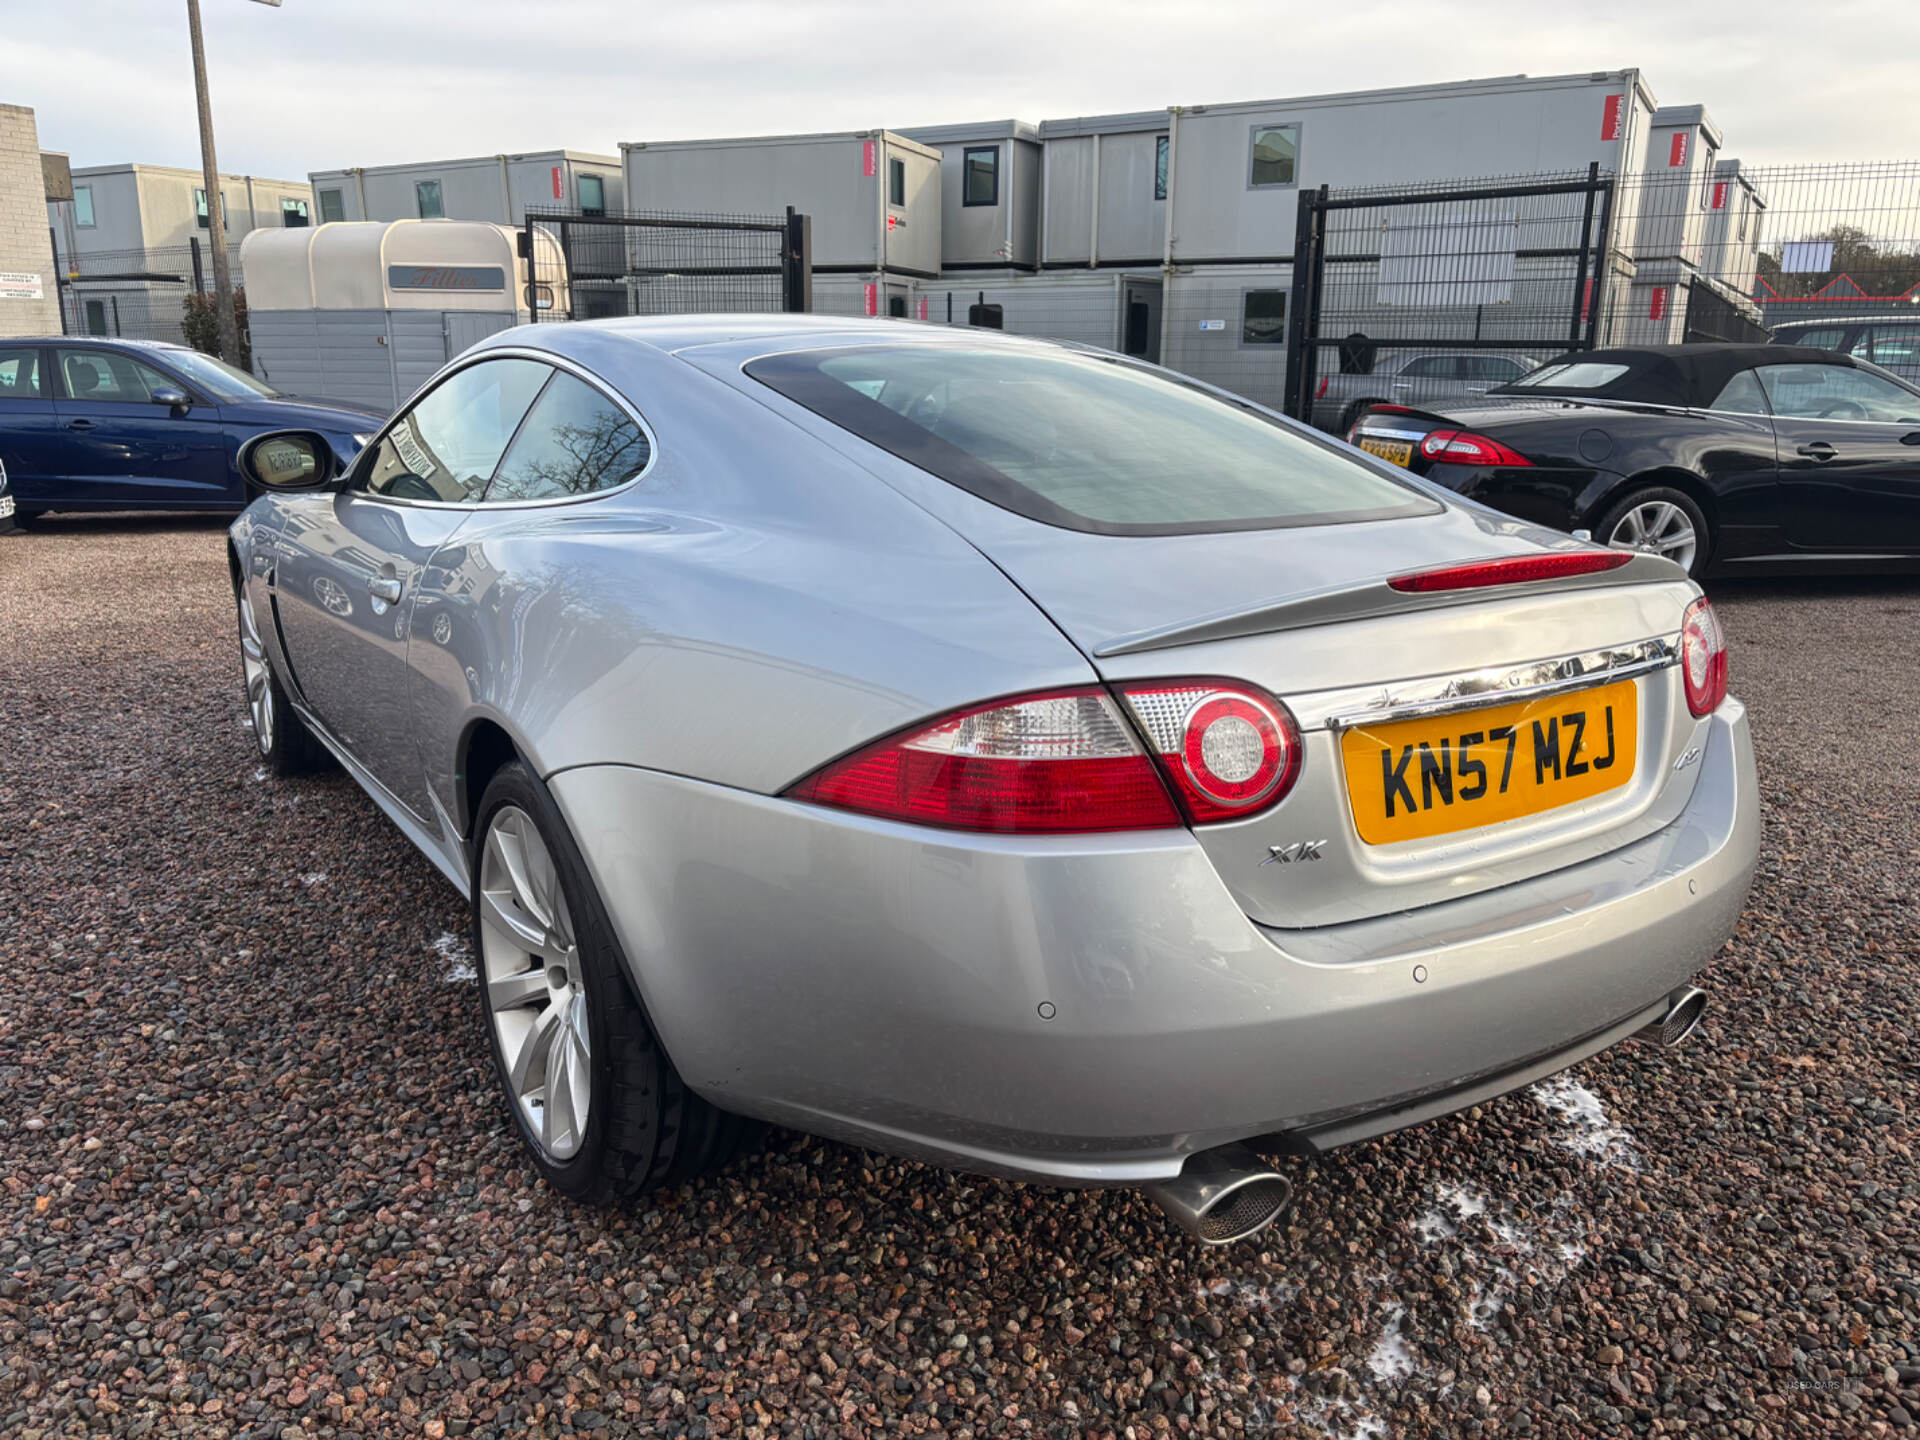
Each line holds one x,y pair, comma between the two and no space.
1819,450
385,587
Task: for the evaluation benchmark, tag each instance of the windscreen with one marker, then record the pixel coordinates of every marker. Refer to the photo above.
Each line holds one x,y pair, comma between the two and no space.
223,380
1086,442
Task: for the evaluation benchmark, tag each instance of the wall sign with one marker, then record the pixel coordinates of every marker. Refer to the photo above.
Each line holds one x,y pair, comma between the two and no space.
559,191
1610,117
21,285
868,167
1677,152
1657,306
446,277
1213,324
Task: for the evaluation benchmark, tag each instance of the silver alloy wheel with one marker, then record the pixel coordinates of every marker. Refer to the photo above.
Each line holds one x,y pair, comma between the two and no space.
1657,527
253,669
530,964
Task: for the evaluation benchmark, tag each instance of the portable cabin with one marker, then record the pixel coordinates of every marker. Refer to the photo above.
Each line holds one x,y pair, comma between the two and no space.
989,193
500,188
368,311
874,196
1104,196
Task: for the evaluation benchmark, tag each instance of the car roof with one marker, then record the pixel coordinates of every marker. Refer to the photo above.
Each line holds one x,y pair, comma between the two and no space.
107,342
1683,375
685,332
1910,320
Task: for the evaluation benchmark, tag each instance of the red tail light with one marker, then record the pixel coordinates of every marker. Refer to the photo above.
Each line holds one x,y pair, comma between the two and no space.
1703,658
1229,750
1321,393
1059,762
1516,570
1463,447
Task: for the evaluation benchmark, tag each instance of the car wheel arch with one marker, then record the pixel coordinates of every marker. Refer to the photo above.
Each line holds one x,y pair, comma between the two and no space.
1672,478
485,747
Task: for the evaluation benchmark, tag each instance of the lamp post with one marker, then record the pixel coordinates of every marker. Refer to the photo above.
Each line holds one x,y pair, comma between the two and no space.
216,209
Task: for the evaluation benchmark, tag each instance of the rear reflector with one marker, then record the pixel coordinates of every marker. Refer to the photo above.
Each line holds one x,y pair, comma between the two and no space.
1463,447
1228,749
1517,570
1060,762
1703,658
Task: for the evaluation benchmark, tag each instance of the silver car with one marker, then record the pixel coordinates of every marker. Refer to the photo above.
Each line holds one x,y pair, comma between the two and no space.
985,750
1407,377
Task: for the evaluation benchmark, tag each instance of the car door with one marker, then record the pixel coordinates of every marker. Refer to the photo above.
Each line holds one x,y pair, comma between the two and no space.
1427,380
122,447
29,429
1849,446
347,563
476,601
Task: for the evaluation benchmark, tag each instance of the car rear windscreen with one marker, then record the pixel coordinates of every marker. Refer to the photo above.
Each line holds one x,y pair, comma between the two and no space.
1087,442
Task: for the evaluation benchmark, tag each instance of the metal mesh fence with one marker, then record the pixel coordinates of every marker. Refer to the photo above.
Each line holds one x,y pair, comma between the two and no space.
587,267
140,294
1430,294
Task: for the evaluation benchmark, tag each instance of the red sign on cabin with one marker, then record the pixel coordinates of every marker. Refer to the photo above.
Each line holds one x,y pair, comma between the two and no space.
1610,117
1657,306
1719,194
1677,152
867,159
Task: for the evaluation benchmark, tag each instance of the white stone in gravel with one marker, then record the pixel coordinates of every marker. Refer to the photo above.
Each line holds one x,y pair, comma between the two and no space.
314,877
1392,1358
1589,1131
455,957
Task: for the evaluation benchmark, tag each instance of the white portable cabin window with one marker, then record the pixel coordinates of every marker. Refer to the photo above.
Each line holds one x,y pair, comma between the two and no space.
1276,155
83,206
593,195
426,197
333,208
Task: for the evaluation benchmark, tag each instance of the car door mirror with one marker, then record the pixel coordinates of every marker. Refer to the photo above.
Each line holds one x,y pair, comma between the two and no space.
290,460
170,397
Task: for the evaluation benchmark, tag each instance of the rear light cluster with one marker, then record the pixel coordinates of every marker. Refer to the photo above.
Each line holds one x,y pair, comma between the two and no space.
1463,447
1067,761
1703,658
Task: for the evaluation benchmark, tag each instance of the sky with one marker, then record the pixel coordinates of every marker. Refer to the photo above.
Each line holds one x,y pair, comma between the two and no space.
323,84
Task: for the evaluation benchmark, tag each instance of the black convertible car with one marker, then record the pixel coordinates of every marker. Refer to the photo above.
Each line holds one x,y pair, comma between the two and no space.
1721,457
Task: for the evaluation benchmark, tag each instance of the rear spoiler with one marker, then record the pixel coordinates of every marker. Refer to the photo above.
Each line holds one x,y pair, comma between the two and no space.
1370,599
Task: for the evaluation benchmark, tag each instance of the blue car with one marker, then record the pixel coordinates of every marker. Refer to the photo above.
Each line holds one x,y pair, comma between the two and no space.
92,424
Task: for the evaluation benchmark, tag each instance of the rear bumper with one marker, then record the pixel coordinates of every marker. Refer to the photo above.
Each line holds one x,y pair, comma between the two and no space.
1093,1010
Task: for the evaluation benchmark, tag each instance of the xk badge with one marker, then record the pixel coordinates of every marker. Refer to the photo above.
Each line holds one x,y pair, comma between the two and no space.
1288,854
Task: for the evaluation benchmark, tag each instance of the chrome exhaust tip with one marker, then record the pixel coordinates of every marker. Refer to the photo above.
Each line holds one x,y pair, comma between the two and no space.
1685,1006
1223,1195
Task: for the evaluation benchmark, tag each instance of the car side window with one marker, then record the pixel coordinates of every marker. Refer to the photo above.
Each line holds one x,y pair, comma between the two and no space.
109,376
20,374
1837,392
446,447
1490,367
575,441
1742,395
1430,367
1895,345
1825,338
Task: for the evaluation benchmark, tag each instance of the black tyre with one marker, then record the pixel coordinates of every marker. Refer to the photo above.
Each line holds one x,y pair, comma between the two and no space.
286,746
600,1108
1659,520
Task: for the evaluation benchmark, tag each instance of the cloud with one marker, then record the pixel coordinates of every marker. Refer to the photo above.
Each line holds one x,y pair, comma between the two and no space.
319,84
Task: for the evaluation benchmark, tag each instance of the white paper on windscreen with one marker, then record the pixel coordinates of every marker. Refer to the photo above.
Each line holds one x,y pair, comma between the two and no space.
1468,261
1806,257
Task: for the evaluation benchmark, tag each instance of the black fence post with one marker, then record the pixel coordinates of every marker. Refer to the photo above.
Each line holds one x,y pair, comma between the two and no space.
59,281
566,266
797,272
1575,318
1309,234
1601,263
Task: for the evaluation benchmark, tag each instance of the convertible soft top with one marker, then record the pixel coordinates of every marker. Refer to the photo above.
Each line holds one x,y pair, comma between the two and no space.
1683,375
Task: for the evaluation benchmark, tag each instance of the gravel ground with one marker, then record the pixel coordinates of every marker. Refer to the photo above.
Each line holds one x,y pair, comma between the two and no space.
257,1180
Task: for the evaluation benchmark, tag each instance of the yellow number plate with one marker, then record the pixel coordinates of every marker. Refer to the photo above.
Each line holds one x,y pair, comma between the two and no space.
1400,452
1410,779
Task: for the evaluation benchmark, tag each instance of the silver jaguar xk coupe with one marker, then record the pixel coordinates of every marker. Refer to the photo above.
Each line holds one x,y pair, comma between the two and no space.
991,751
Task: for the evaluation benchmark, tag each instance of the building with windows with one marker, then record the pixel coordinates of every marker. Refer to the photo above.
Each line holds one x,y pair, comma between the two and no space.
131,242
497,188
